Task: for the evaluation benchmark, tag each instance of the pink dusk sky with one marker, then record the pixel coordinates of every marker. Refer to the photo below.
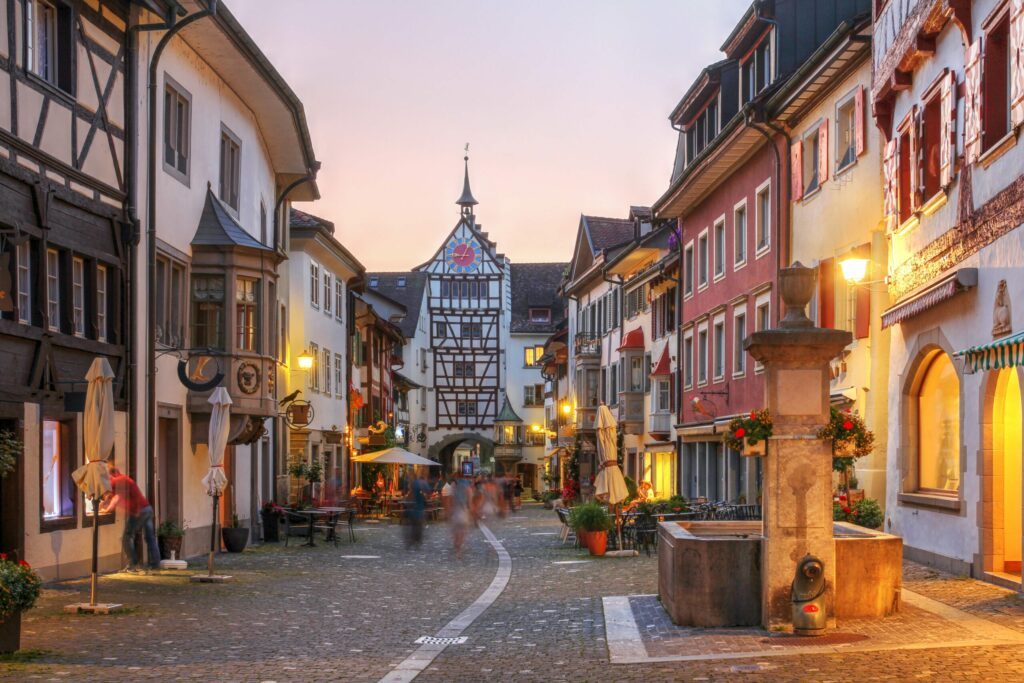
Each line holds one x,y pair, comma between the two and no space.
564,104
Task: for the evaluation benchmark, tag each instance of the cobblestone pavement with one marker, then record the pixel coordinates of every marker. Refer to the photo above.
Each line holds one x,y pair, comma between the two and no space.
301,614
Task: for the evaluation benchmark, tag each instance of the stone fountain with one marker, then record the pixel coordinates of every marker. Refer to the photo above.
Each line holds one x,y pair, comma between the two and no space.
740,573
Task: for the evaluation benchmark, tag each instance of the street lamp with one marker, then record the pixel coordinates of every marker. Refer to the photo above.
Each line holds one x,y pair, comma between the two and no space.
306,360
854,269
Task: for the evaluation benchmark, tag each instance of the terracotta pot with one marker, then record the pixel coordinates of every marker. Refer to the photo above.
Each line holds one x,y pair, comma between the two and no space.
10,633
755,449
598,543
584,537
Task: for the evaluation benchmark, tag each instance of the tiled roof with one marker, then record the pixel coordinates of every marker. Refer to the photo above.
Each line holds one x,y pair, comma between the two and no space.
218,228
535,285
409,295
664,366
606,233
301,219
634,339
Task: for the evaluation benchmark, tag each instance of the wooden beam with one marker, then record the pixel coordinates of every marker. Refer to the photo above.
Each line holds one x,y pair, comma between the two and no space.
925,45
902,80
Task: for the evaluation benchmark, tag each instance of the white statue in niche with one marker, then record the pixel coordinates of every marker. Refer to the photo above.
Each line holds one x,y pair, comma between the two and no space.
1001,321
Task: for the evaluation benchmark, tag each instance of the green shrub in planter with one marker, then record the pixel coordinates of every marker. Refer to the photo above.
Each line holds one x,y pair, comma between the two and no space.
590,517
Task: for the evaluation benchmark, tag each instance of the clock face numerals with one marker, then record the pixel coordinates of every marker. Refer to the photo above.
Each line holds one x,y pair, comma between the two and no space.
462,255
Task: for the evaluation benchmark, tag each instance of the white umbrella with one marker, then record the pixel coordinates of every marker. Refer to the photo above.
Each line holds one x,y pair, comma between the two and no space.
92,477
395,456
609,485
215,480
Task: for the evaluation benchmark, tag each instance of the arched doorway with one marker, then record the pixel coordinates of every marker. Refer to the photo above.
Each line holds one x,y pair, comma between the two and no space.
1002,481
452,449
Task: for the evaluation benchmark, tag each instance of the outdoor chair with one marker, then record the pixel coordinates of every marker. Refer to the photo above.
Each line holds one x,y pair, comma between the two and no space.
295,525
566,532
352,525
329,527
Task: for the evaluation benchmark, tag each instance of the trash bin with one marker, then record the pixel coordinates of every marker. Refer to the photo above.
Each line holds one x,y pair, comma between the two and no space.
808,595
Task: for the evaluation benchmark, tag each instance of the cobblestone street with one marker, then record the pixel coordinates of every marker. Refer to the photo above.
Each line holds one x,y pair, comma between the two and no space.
353,613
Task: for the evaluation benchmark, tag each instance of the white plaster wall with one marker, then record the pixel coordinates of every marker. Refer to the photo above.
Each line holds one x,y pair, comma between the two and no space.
419,368
519,375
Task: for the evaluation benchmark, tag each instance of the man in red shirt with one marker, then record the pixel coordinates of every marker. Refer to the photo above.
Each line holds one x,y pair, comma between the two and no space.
138,517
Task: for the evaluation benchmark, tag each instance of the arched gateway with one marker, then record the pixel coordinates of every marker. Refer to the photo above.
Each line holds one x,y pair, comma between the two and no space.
444,451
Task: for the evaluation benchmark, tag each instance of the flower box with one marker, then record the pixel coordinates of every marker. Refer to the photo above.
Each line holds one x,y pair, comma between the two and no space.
753,450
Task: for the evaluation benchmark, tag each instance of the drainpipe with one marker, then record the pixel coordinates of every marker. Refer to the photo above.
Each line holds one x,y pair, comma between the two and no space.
172,27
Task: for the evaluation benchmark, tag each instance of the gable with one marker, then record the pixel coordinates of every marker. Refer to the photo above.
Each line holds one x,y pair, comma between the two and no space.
583,254
464,252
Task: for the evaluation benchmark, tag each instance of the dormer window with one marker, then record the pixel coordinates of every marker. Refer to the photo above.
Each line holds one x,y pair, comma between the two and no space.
757,69
401,282
702,130
374,282
540,315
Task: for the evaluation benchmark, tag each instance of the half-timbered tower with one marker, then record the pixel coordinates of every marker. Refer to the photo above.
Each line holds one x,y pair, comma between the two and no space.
468,306
65,240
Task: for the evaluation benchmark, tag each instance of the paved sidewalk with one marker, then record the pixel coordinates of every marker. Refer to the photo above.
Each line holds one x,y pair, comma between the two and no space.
301,614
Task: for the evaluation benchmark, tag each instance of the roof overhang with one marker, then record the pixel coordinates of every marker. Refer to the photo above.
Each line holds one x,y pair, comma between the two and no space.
230,52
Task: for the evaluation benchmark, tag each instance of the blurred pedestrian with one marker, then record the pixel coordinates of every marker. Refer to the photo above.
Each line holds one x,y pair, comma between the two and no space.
460,516
416,511
125,494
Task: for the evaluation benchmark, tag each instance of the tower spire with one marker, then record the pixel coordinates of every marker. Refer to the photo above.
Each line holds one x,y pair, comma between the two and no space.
466,201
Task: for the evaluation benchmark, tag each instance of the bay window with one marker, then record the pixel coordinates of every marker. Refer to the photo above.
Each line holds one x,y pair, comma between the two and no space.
208,311
246,314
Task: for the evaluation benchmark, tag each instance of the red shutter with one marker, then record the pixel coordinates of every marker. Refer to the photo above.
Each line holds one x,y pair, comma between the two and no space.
862,324
916,176
858,121
947,142
891,176
1016,62
823,152
972,103
826,293
672,392
796,170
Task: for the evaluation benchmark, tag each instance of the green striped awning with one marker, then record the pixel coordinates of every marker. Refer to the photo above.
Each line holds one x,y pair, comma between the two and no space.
1002,353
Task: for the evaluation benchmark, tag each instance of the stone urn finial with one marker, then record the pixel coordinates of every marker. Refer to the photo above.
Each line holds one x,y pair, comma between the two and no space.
796,284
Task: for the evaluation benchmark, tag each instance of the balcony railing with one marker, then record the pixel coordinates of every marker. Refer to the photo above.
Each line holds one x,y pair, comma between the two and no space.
587,345
660,423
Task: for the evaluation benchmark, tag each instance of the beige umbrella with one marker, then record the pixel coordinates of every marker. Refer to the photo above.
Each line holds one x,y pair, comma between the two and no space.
394,456
609,485
92,477
215,480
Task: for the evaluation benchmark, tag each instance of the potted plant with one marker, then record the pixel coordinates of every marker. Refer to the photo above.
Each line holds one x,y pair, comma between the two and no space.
236,537
19,590
270,515
749,434
592,523
170,535
851,439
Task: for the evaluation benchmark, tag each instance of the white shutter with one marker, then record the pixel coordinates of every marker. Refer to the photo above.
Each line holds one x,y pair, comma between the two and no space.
947,149
823,152
1016,62
972,103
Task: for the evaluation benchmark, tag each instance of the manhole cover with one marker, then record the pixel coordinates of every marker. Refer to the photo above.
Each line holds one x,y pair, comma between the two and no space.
790,640
431,640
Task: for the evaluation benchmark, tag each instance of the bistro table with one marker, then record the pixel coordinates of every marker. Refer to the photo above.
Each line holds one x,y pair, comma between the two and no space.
311,514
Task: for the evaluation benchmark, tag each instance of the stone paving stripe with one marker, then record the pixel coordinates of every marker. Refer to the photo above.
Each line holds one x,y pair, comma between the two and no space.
544,533
360,557
621,631
422,657
571,562
625,645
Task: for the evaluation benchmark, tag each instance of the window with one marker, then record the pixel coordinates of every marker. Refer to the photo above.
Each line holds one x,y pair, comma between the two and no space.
995,85
464,368
446,288
177,132
78,296
846,133
719,340
702,357
49,42
739,333
811,164
328,292
170,288
466,408
739,231
907,175
533,395
720,248
440,330
702,260
540,315
938,426
688,269
762,321
931,146
756,72
314,372
688,360
764,217
230,168
102,303
24,253
208,311
663,394
314,284
532,355
58,459
246,312
339,299
325,354
53,289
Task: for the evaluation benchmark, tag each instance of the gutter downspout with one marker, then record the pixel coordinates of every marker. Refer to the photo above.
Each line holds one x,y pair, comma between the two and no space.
173,28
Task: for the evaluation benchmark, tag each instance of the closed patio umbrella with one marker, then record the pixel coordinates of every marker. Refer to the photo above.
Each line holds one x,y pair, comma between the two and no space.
215,480
92,477
609,485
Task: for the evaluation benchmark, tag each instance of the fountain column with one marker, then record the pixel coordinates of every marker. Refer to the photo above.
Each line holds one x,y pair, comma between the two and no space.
797,473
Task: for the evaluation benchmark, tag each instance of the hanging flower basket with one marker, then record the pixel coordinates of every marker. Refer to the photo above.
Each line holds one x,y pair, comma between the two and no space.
753,450
847,448
749,434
